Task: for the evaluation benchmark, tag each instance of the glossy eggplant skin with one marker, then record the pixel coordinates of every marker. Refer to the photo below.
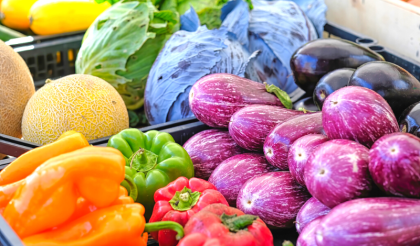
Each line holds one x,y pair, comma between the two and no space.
319,57
397,86
306,103
410,120
331,82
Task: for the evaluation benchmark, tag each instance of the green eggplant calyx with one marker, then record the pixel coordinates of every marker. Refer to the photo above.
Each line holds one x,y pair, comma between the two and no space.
143,160
185,199
165,225
235,223
128,183
305,111
282,95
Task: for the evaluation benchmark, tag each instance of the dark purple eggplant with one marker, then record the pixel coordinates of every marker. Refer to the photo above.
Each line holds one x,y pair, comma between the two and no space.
338,171
331,82
208,149
385,221
306,103
397,86
311,210
410,120
395,164
358,114
319,57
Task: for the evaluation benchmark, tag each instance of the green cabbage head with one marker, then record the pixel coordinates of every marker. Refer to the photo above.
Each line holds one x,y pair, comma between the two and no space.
122,45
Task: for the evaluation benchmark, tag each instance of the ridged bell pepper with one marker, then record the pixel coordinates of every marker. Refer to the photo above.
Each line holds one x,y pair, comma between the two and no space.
25,164
180,200
48,197
220,225
111,226
153,160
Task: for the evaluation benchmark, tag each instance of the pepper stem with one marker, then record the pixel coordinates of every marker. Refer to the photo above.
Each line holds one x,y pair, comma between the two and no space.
128,183
165,225
143,160
281,95
235,223
185,199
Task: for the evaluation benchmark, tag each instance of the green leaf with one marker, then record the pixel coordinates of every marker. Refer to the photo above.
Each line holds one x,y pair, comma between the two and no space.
281,95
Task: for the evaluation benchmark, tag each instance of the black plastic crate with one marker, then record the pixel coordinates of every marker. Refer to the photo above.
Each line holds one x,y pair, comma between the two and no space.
49,57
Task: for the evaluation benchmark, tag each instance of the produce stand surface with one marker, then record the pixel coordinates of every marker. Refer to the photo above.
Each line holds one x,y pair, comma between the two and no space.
44,52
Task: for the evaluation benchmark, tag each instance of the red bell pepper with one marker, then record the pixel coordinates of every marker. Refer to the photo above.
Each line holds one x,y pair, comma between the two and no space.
220,225
180,200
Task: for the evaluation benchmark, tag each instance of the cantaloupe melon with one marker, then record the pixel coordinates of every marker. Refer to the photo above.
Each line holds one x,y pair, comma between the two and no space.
84,103
16,87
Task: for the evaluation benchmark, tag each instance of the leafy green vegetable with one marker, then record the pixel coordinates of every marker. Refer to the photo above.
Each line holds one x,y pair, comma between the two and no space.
122,45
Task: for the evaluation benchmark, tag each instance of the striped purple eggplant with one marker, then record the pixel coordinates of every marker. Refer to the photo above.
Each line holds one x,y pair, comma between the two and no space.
307,236
311,210
250,125
208,149
384,221
395,164
231,174
358,114
216,97
338,171
279,140
299,153
275,197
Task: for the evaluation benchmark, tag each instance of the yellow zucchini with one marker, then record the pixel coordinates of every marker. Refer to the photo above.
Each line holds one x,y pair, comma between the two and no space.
60,16
14,13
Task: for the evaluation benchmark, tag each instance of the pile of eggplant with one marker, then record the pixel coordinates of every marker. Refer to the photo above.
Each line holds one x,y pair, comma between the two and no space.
347,174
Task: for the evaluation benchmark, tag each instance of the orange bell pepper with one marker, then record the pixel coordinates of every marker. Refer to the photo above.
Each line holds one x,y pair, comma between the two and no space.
48,197
84,207
7,192
25,164
116,225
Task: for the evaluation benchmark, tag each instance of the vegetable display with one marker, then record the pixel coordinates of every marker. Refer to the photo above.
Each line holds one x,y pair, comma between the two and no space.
179,201
208,149
152,161
232,173
218,224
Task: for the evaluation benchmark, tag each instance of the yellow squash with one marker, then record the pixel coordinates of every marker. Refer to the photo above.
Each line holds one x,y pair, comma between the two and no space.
14,13
49,17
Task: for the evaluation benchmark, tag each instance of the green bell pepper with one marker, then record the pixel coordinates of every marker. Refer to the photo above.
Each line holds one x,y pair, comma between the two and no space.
153,160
